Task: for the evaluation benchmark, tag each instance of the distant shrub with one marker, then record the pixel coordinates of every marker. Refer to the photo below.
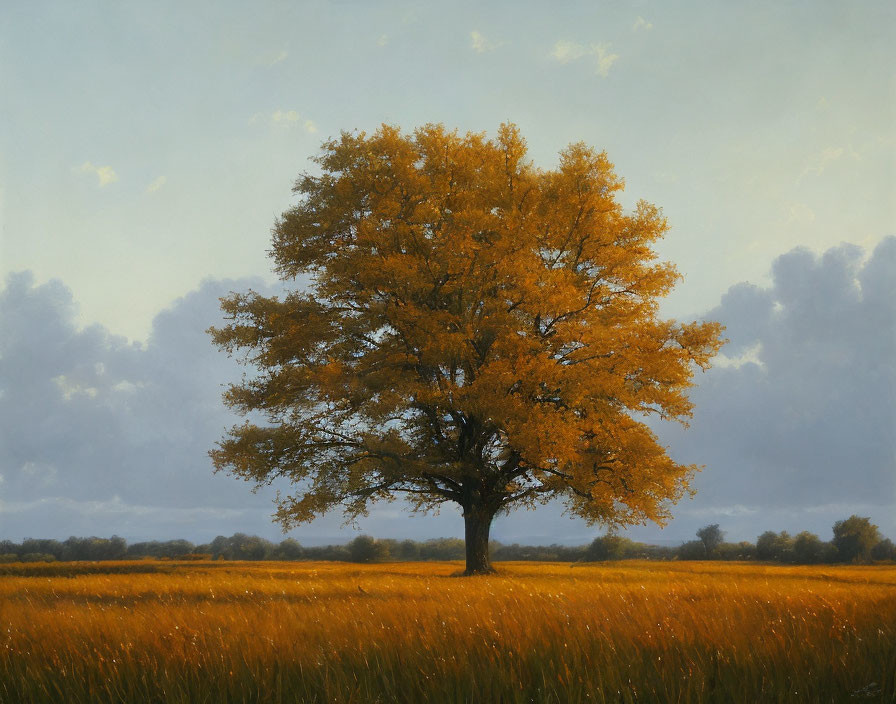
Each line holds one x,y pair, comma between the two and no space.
37,557
809,549
736,551
367,549
408,550
884,550
610,547
692,550
289,549
775,546
443,549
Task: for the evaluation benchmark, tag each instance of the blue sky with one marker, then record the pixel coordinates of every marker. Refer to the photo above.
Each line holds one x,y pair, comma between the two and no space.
148,147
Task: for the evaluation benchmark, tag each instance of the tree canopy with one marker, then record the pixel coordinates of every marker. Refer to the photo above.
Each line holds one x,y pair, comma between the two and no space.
712,537
855,537
468,329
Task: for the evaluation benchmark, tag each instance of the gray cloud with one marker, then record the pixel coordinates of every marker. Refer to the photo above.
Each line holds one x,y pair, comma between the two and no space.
803,425
99,435
90,423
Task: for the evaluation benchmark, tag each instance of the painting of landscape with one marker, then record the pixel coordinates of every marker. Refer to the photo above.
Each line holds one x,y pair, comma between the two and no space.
370,352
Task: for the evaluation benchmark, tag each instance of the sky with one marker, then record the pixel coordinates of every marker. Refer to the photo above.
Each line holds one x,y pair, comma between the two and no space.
147,148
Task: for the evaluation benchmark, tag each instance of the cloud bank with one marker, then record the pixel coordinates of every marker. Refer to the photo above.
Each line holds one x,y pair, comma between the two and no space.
799,424
99,435
795,426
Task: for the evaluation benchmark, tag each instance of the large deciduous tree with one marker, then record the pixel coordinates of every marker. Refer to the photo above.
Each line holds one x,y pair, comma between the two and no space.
470,329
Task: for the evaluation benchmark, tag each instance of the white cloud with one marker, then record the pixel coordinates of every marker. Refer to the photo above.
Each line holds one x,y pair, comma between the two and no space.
279,57
117,507
39,474
830,154
750,355
709,512
566,52
69,388
665,177
801,214
271,57
105,174
286,118
383,40
604,59
481,44
820,161
156,185
641,23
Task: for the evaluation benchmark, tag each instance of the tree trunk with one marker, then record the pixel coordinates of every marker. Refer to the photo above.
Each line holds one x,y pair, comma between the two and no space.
477,524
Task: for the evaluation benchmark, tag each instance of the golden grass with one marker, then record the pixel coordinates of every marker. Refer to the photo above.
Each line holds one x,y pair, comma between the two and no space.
323,632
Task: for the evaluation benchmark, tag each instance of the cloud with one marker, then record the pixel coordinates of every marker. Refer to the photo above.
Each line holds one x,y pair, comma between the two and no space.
642,24
104,174
270,57
129,457
480,44
566,52
383,40
794,426
800,213
157,184
830,154
285,118
604,59
86,416
806,418
278,58
820,161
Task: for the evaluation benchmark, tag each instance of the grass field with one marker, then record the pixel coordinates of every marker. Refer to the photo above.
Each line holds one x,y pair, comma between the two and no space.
324,632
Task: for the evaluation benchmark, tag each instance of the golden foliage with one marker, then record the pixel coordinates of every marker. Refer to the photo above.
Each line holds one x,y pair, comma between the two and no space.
473,330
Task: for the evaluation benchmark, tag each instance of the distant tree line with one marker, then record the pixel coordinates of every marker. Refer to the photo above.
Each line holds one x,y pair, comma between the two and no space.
855,539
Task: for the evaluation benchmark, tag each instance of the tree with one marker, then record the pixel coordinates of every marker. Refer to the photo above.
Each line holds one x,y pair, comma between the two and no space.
711,536
289,549
408,550
854,538
884,550
367,549
736,551
775,546
610,547
692,550
809,549
471,330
